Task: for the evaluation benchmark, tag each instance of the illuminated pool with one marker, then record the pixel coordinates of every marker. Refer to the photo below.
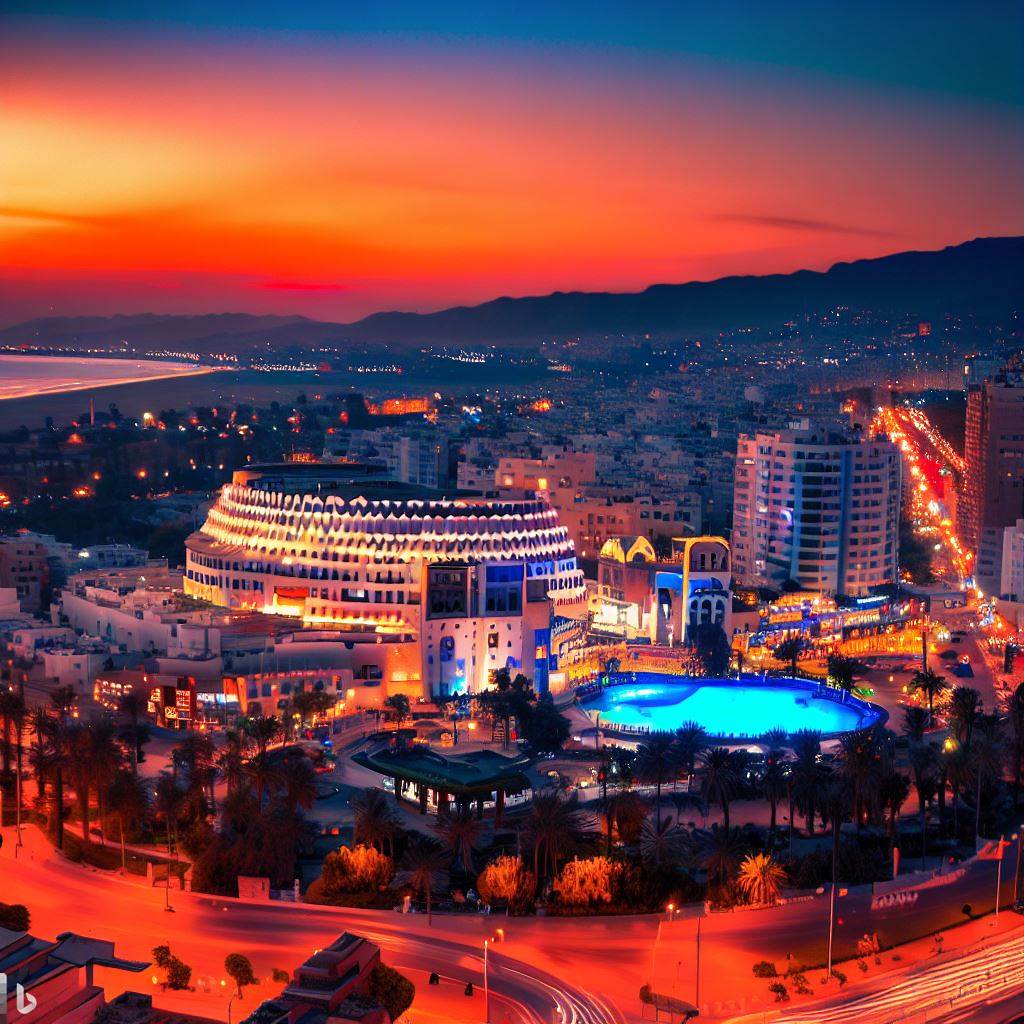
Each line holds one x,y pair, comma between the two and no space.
727,708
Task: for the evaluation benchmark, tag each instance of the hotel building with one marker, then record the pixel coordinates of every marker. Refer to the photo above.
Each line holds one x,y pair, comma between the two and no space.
471,583
818,507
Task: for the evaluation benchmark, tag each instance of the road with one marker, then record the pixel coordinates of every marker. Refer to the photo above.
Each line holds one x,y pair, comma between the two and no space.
946,990
203,930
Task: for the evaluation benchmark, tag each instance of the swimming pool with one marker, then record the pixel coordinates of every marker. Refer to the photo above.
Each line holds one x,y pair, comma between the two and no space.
727,708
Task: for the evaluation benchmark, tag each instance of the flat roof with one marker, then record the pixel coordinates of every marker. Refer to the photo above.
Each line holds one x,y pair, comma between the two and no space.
477,772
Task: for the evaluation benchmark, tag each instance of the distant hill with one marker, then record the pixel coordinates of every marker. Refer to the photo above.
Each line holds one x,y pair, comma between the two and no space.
984,277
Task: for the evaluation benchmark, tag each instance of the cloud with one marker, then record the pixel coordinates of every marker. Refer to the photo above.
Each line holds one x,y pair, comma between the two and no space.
300,286
801,224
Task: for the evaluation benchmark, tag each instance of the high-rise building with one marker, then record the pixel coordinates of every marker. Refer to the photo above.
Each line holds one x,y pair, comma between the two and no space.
818,507
993,482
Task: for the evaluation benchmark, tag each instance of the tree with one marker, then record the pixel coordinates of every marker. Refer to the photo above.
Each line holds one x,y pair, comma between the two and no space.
1015,723
375,821
399,707
860,762
790,650
63,701
724,850
11,705
587,882
713,649
309,704
774,783
924,772
657,763
931,684
48,757
842,672
178,972
721,773
893,790
424,869
761,878
14,917
806,773
347,870
239,970
554,828
915,723
691,739
662,841
394,991
127,802
133,706
546,729
964,708
460,831
506,880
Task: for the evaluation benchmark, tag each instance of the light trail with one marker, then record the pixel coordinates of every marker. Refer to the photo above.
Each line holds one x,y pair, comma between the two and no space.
974,978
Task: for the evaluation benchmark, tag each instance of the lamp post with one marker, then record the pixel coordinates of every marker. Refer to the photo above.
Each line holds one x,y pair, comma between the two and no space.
1016,874
696,999
999,872
487,988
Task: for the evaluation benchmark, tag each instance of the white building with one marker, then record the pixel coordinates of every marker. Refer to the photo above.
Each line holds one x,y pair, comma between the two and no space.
818,507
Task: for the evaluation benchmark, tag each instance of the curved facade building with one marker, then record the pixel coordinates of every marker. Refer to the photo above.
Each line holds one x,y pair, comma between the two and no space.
472,582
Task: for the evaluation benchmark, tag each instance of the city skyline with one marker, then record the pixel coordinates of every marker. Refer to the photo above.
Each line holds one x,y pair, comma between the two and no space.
265,161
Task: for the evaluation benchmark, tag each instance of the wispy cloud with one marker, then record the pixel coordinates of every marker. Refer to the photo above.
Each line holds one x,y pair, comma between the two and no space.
801,224
300,286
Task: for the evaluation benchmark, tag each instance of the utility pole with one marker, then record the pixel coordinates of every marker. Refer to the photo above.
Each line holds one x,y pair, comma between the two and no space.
487,989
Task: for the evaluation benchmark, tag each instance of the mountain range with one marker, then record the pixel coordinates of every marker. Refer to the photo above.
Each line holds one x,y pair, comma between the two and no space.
983,278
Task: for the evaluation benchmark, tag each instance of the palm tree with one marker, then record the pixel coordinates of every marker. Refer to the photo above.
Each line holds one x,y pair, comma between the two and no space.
662,842
169,803
10,704
460,831
424,868
262,730
722,778
20,724
78,744
231,763
964,708
105,760
47,756
774,781
806,773
657,763
1015,725
931,684
375,822
842,672
860,762
986,761
789,650
554,828
924,772
127,802
133,706
691,740
63,701
724,850
295,777
625,812
761,878
915,723
893,790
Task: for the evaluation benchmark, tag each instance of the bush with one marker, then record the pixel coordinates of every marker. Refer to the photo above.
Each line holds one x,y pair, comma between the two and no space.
179,974
358,871
280,977
394,991
840,976
14,917
506,881
765,969
588,882
780,992
800,986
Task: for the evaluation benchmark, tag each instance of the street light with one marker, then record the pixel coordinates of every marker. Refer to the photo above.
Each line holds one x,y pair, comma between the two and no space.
487,989
999,873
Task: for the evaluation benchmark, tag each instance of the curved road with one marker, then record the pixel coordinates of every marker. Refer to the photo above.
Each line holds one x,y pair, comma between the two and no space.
203,930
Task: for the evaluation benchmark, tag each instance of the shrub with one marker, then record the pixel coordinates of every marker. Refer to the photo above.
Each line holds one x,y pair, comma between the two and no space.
280,977
14,917
351,871
800,985
780,992
588,882
840,976
506,880
394,991
179,974
765,969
